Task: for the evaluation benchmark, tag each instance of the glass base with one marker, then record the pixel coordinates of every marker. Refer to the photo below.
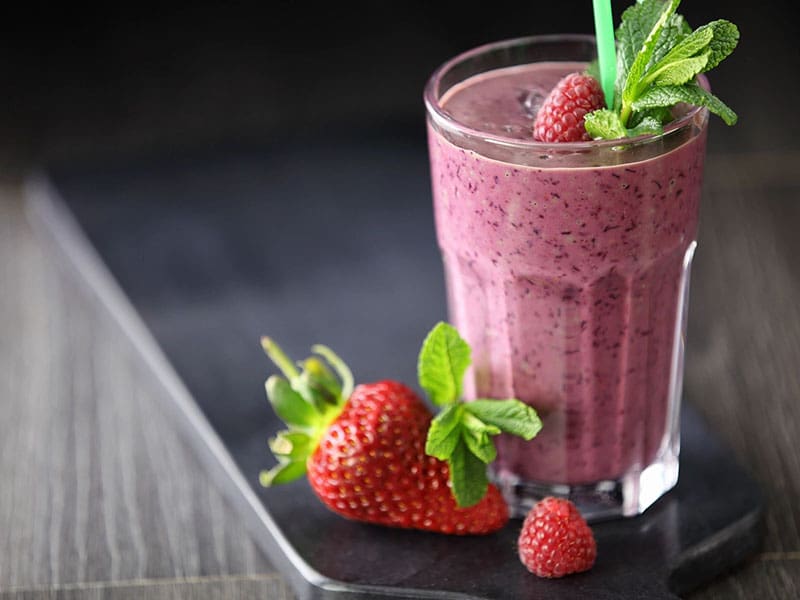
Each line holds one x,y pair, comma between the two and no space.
628,496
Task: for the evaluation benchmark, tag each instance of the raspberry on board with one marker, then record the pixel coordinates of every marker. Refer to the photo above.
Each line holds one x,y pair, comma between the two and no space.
555,540
560,119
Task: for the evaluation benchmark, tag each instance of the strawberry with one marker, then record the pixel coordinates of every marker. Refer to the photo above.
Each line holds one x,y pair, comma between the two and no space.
376,454
560,119
370,465
555,540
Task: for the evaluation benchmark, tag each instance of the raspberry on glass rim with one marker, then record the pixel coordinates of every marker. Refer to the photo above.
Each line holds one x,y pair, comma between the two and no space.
561,117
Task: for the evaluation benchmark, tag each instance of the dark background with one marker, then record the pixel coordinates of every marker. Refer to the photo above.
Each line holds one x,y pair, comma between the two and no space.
127,79
262,168
248,168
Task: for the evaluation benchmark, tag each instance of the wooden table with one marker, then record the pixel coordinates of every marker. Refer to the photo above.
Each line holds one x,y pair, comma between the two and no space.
102,497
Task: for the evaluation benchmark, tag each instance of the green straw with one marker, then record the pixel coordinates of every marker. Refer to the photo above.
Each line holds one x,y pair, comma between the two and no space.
606,51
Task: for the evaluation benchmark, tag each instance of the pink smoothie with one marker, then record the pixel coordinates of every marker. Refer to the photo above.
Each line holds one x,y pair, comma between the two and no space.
569,282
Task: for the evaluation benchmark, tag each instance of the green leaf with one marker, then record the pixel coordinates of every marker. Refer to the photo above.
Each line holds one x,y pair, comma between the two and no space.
283,472
317,384
473,423
690,46
291,445
444,432
637,22
657,48
690,93
724,41
467,476
679,71
675,30
636,73
510,416
290,406
661,114
648,125
604,124
341,368
278,356
443,359
479,444
476,435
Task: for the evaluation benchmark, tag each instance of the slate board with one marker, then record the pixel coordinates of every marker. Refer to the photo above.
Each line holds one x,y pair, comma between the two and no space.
331,240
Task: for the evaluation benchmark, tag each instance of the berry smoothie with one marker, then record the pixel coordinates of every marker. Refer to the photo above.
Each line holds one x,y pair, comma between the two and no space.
567,272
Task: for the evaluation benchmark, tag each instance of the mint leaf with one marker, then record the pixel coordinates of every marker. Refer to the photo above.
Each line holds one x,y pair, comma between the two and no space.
443,360
690,93
289,405
637,22
679,71
650,125
604,124
688,47
723,42
674,31
467,476
636,73
661,114
479,444
444,433
476,435
511,416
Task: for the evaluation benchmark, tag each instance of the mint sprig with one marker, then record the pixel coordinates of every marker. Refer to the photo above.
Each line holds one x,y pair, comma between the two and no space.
462,432
658,60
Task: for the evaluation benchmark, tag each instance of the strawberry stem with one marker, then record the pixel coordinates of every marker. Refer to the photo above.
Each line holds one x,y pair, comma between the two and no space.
308,400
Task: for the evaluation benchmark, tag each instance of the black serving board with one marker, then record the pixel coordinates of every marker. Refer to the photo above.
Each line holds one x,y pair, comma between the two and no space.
331,240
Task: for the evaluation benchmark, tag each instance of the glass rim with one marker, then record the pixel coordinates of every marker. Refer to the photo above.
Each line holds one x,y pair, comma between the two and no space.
444,119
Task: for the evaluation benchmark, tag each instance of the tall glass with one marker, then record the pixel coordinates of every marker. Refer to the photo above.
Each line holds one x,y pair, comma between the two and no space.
567,269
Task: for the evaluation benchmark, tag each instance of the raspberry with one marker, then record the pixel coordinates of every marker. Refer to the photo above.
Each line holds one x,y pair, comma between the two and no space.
555,540
560,119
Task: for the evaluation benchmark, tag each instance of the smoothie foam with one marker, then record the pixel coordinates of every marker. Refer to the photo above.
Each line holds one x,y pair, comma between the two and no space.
569,282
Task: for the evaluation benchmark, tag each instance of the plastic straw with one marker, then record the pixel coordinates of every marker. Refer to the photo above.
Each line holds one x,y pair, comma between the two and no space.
606,50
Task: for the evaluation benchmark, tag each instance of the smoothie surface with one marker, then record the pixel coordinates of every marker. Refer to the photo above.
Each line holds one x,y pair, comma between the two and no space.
504,102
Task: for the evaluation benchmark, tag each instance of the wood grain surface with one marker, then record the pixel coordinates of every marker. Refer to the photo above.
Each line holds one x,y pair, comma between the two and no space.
100,496
743,355
96,484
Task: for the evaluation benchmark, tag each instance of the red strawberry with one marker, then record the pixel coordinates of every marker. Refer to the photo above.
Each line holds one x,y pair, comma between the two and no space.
560,119
555,540
365,451
370,465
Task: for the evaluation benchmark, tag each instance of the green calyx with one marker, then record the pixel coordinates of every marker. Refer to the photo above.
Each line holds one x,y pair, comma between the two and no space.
658,60
308,399
461,434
